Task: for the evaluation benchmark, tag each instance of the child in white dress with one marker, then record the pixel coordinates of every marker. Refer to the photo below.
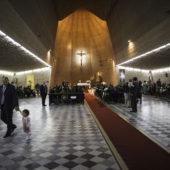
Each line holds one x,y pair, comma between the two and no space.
26,123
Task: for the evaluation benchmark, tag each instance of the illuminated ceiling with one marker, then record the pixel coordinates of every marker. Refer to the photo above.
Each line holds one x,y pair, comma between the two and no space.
18,60
33,23
13,22
155,59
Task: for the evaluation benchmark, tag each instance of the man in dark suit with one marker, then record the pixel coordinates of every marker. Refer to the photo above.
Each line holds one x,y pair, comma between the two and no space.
8,101
134,94
43,93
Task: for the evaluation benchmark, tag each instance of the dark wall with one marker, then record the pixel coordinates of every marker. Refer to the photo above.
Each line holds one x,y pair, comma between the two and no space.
40,16
100,8
32,23
146,23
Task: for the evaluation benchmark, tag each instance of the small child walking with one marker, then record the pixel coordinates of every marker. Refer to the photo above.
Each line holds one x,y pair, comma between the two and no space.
26,123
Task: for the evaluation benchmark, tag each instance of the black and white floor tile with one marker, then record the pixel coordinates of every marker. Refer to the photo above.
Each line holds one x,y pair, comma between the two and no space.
152,118
63,137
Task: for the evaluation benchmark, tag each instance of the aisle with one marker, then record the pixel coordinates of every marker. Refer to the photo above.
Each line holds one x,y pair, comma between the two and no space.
152,118
63,137
138,151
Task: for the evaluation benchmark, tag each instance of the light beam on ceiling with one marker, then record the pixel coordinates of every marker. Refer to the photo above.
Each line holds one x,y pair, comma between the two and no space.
18,45
33,71
9,73
156,50
160,70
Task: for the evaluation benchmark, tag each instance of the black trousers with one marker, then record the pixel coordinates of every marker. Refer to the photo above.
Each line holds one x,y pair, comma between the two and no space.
6,117
134,102
43,99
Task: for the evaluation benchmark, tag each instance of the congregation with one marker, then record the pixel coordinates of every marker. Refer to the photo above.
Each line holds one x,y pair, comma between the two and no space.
130,93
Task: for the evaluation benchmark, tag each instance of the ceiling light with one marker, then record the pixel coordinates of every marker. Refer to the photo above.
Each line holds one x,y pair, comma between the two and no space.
2,34
166,69
10,40
7,73
146,54
33,71
133,69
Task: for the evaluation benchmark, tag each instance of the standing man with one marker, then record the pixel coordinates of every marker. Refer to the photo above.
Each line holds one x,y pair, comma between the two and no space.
126,92
43,93
8,101
134,94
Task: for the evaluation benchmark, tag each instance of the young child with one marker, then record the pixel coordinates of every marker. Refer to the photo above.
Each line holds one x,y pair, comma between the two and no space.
26,123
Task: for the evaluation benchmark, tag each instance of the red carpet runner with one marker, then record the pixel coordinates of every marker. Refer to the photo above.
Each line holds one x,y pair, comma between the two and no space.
138,151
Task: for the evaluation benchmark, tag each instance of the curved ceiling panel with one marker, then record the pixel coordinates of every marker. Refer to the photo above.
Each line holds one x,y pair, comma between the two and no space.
153,61
14,59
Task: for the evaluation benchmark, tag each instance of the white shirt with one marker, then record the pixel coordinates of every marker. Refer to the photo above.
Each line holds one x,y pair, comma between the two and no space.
26,121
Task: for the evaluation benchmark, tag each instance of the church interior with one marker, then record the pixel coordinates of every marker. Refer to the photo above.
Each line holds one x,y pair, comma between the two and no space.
94,78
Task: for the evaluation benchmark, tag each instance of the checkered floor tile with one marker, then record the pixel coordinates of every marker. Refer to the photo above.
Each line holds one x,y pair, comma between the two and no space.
63,137
152,118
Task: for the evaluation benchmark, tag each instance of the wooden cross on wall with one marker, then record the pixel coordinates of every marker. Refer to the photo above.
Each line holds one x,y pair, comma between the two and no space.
81,57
